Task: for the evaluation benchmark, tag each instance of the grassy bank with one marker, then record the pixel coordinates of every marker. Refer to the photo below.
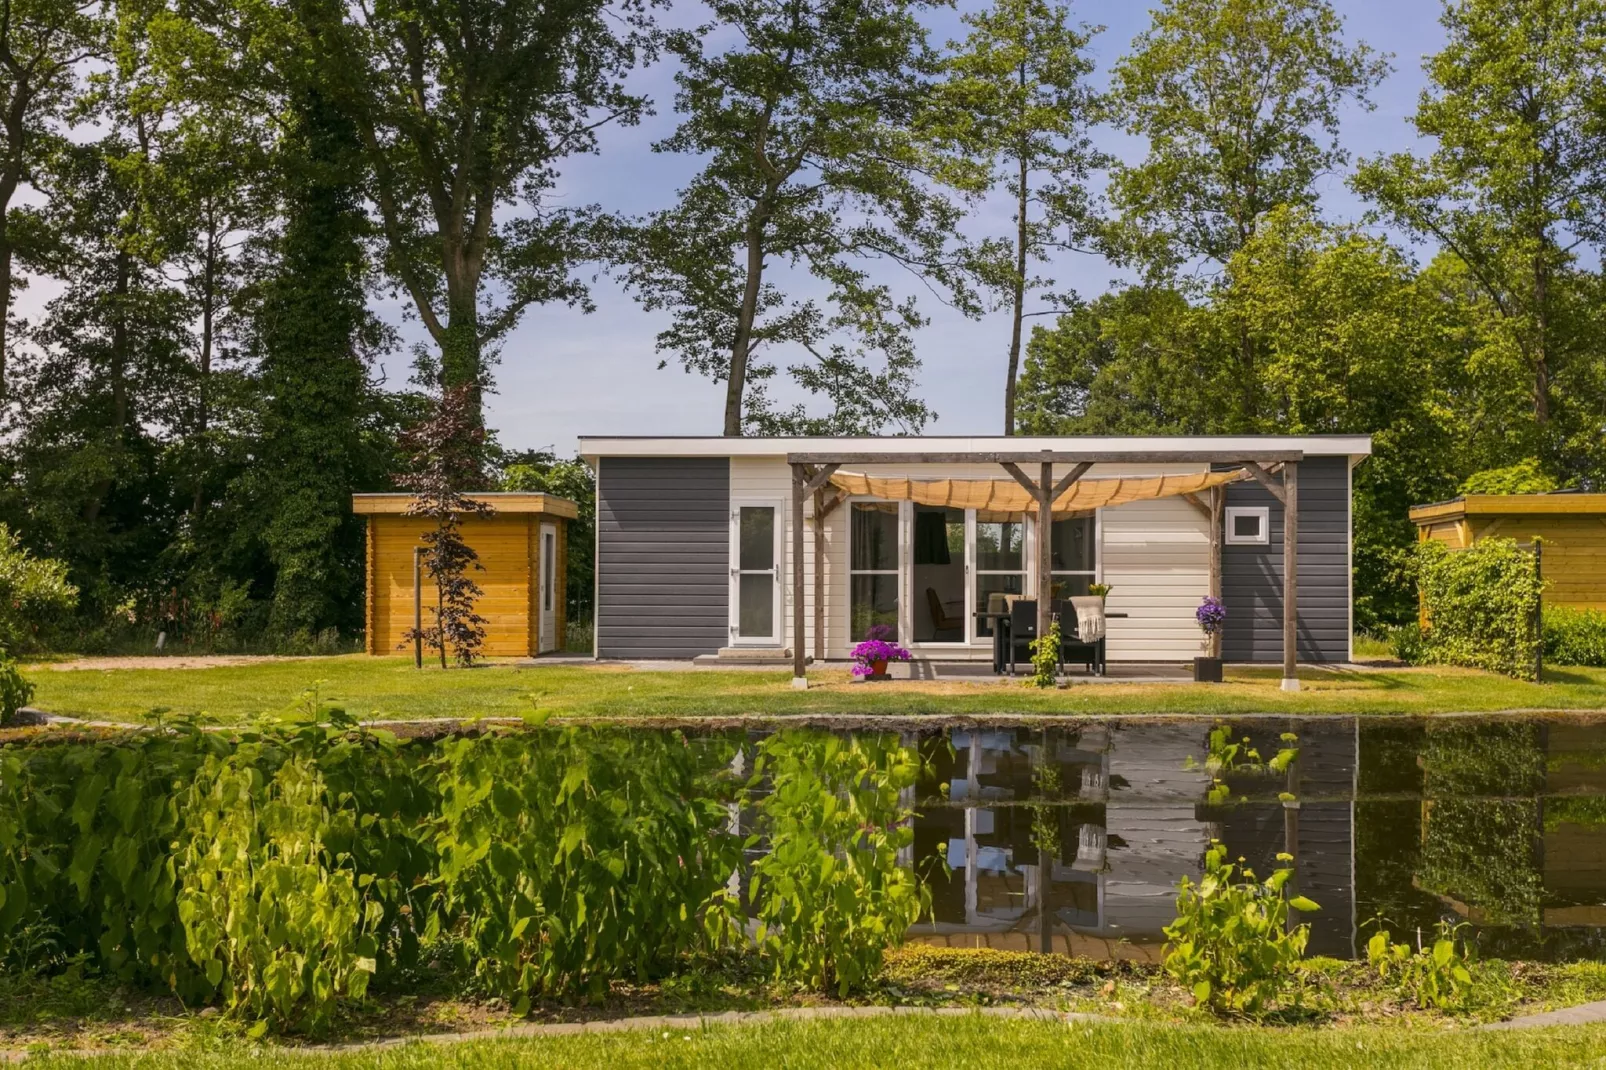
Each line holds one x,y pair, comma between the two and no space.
391,687
907,1043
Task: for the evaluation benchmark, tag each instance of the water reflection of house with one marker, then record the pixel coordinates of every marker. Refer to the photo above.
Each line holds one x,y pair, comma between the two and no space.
1074,840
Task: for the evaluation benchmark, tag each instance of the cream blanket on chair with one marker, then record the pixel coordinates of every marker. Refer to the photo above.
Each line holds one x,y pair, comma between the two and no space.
1089,617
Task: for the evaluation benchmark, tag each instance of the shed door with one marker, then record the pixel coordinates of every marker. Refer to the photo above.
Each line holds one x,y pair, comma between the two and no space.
547,593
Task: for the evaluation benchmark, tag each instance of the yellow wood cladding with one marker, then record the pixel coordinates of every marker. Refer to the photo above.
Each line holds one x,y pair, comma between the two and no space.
509,547
1574,540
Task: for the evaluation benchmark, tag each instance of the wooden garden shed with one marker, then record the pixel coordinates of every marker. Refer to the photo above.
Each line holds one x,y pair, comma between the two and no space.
523,547
1571,525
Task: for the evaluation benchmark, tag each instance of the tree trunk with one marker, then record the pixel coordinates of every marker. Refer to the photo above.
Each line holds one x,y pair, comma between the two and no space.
5,297
741,345
208,329
1541,358
1019,302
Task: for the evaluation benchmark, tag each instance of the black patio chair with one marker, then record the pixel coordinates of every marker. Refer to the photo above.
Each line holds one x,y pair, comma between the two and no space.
1022,631
1073,647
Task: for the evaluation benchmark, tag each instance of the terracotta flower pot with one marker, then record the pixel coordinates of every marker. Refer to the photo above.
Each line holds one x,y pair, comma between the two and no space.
878,670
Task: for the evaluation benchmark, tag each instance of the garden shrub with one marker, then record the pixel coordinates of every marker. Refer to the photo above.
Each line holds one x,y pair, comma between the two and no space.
585,855
829,892
283,868
1481,605
1575,636
1437,975
34,593
1231,945
15,692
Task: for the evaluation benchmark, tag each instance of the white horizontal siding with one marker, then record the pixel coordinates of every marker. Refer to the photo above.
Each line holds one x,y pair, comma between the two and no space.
1155,555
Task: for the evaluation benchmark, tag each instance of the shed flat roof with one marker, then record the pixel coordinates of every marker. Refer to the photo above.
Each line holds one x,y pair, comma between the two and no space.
1561,504
514,501
1183,447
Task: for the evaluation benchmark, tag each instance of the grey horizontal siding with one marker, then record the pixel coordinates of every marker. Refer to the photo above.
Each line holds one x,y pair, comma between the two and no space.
663,556
1252,576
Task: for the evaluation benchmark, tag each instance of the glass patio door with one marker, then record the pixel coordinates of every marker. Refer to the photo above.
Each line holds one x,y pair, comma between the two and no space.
755,573
1000,563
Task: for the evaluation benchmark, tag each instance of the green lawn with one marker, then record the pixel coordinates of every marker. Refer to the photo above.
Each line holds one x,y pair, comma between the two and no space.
975,1043
392,688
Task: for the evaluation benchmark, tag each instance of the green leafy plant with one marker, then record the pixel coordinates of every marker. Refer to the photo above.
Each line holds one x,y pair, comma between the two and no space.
1524,477
1575,636
1481,605
1046,656
34,593
15,692
280,925
1437,975
579,856
1231,944
1229,754
830,894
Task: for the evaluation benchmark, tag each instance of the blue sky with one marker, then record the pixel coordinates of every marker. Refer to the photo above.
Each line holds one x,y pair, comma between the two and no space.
564,373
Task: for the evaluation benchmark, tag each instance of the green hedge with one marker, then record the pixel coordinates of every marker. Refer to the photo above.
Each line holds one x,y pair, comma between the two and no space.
1481,606
1575,636
280,870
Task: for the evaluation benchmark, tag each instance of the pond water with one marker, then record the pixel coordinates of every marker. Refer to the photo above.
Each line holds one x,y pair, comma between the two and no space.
1072,839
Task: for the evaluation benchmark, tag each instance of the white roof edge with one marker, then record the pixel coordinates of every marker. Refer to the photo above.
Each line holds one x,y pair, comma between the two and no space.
592,446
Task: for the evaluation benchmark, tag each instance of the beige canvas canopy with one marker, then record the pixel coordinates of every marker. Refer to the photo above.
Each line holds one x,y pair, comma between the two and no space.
1008,496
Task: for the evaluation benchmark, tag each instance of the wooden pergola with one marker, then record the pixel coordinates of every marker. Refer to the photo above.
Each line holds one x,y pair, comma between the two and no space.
1276,470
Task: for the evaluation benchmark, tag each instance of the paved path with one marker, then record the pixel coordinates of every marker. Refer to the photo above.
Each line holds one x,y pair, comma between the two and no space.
1583,1014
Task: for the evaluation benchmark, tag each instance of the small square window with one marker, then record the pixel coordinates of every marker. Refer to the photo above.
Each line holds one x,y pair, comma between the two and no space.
1249,525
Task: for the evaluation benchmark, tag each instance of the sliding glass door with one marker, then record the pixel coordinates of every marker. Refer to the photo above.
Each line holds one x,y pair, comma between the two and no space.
1000,563
874,574
938,563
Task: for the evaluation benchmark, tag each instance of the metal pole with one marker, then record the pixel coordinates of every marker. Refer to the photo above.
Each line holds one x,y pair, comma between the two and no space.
418,607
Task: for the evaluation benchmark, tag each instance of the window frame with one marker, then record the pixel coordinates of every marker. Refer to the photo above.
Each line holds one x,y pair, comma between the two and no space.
898,572
1233,512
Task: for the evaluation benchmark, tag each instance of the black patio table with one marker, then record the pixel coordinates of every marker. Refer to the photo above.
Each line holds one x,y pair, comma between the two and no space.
1000,620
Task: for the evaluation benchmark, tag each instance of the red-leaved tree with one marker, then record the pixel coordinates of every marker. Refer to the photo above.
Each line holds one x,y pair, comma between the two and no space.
445,451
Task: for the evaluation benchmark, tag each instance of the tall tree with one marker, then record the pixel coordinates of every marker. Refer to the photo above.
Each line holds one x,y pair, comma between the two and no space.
464,107
1014,112
1516,185
1239,101
804,114
42,43
311,325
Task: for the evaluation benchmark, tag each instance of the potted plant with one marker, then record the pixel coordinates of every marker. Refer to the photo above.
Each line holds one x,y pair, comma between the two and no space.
871,656
1212,617
1100,590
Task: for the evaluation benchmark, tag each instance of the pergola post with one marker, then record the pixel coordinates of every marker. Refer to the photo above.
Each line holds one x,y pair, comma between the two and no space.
1290,574
800,679
819,575
1045,548
1218,507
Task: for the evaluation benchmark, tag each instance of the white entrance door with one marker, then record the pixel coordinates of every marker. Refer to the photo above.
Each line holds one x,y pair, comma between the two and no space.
755,596
548,596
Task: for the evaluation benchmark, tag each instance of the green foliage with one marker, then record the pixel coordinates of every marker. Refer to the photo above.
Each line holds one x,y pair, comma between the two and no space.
830,895
1524,477
15,692
585,856
271,916
1046,656
273,870
34,593
1228,755
1574,636
1481,605
1239,101
1231,944
801,118
1013,113
1438,975
1408,642
539,470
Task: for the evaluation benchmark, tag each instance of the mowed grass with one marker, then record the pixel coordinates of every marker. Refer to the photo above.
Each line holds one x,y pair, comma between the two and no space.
918,1041
373,688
